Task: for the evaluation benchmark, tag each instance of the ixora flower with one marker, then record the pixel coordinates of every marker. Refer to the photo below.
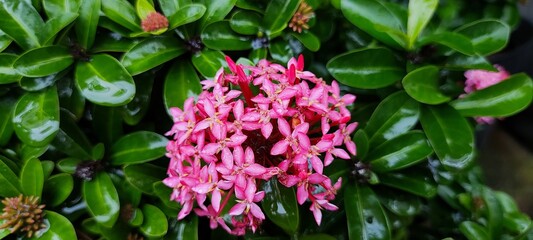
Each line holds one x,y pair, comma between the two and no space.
480,79
154,21
246,129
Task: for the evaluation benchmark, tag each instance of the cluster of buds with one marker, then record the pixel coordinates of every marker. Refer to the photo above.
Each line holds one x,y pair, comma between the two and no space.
22,214
301,17
246,129
154,21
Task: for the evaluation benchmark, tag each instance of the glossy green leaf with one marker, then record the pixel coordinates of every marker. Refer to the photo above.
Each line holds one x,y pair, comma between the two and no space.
113,42
70,139
309,40
104,81
59,228
151,53
219,36
245,22
186,14
318,236
9,181
8,74
57,189
48,167
368,68
55,8
216,11
420,12
453,40
361,138
281,51
400,203
134,111
22,23
137,218
123,13
507,202
488,36
280,206
517,223
40,83
27,152
143,176
32,178
208,62
400,152
155,222
258,54
422,84
170,7
493,211
503,99
181,83
87,23
7,105
54,25
70,97
277,15
36,117
366,218
144,8
102,199
413,182
463,62
5,41
254,5
138,147
395,115
449,134
184,229
43,61
384,21
108,121
473,231
163,192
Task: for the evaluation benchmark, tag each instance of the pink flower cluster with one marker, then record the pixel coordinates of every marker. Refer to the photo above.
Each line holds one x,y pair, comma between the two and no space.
276,123
480,79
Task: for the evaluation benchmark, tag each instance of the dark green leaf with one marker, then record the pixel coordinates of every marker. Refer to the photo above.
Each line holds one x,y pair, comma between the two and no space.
208,62
143,176
449,134
453,40
219,36
503,99
22,23
123,13
32,178
87,23
277,15
366,218
318,236
517,223
36,117
400,152
463,62
163,192
389,27
8,74
181,83
102,199
395,115
216,11
70,139
488,36
281,51
55,8
151,53
138,147
420,12
245,22
258,54
40,83
254,5
108,121
184,229
186,14
280,206
113,42
309,40
422,84
104,81
54,25
155,223
5,41
134,111
57,189
473,231
9,181
43,61
368,68
400,203
70,97
507,202
59,227
494,212
169,7
413,182
6,126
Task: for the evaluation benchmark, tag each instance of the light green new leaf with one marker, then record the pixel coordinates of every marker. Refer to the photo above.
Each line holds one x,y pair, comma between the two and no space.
420,12
102,199
186,14
32,178
155,222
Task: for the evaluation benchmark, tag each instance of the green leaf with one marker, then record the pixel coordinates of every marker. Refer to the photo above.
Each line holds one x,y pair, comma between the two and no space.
184,229
280,206
318,236
70,139
87,23
60,228
494,212
208,62
22,23
143,8
108,121
7,105
453,40
113,42
365,215
473,231
395,115
138,147
143,176
27,152
517,223
388,28
137,218
309,40
104,81
102,199
155,222
503,99
186,14
36,117
5,41
245,22
462,62
134,111
400,203
420,12
123,13
68,165
216,11
8,74
40,83
54,25
507,202
368,68
48,167
57,189
422,84
181,83
219,36
281,51
70,97
55,8
449,134
170,7
258,54
277,14
9,181
413,182
400,152
361,139
43,61
151,53
488,35
32,178
163,192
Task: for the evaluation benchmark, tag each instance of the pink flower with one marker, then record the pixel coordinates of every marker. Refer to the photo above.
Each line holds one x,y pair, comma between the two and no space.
227,142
